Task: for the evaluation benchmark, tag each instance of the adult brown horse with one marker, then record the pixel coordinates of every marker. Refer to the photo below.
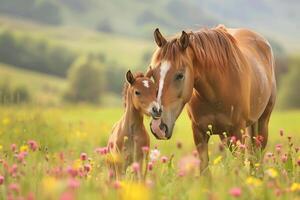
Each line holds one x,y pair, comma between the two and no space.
225,75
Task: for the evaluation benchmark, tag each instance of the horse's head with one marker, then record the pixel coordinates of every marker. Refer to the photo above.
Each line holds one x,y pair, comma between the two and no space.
172,70
142,91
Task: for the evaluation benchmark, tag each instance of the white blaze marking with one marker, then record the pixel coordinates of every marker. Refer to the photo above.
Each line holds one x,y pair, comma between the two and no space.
146,83
164,68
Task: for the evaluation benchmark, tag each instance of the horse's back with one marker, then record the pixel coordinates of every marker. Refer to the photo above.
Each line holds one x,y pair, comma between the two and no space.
251,42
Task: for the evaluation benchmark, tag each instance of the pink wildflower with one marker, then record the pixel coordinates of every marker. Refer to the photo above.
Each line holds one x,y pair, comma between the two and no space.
1,180
30,196
195,153
13,147
83,156
21,156
145,149
33,145
164,159
233,139
14,187
73,172
278,148
102,150
67,196
117,185
87,167
73,183
135,167
188,164
284,158
150,166
235,192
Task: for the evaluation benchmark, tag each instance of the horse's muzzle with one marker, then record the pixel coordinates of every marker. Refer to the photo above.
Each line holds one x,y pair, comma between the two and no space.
159,129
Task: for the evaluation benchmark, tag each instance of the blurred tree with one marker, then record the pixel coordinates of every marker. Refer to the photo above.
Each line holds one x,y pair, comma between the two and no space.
281,68
40,11
86,80
289,97
116,79
36,54
5,92
20,95
13,95
105,26
78,5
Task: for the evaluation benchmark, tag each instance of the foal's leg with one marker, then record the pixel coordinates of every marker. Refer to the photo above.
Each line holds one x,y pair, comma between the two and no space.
201,141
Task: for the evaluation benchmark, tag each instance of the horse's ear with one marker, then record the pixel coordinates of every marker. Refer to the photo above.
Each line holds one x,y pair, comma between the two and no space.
159,39
149,72
129,77
184,40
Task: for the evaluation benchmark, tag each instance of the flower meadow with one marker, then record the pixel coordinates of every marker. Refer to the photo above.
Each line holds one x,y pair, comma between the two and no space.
61,153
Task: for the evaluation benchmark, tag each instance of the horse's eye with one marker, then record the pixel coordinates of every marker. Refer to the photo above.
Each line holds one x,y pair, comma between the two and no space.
137,93
179,76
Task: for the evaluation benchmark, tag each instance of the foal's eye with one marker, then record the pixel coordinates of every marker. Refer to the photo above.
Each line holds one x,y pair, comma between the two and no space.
179,76
137,93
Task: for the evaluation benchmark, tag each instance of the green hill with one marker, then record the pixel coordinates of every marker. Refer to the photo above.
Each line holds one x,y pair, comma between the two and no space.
44,89
137,18
122,50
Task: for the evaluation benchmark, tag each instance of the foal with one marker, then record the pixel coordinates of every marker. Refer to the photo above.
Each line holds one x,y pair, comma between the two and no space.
129,134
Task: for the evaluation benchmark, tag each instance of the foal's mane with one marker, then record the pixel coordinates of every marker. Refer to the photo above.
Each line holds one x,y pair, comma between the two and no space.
213,49
127,85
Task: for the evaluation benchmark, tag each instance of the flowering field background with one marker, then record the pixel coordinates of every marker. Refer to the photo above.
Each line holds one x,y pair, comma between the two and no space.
62,67
58,153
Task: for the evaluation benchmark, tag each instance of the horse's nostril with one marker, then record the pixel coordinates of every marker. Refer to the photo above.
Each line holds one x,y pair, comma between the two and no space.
160,111
154,109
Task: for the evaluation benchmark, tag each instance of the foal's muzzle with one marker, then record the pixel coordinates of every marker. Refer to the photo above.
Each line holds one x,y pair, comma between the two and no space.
156,112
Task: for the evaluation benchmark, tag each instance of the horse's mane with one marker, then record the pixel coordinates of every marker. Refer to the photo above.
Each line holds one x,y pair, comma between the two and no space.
127,85
213,48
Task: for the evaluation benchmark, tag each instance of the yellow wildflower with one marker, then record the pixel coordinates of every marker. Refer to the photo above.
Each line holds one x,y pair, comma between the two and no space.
295,187
217,160
272,173
134,191
252,181
1,147
113,158
77,163
6,121
50,186
256,164
24,148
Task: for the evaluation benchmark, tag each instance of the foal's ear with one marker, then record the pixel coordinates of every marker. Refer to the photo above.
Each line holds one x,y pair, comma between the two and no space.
149,72
159,39
184,40
129,77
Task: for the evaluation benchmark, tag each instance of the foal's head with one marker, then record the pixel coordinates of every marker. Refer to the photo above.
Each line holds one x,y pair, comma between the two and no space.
142,91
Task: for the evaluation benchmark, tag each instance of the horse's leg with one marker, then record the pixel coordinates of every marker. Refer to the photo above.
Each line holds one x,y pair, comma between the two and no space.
201,141
263,121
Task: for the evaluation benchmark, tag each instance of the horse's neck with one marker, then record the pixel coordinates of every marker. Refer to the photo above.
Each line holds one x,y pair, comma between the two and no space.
132,119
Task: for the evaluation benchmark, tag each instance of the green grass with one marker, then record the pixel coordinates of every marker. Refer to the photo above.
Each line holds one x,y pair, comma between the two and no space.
75,129
43,88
